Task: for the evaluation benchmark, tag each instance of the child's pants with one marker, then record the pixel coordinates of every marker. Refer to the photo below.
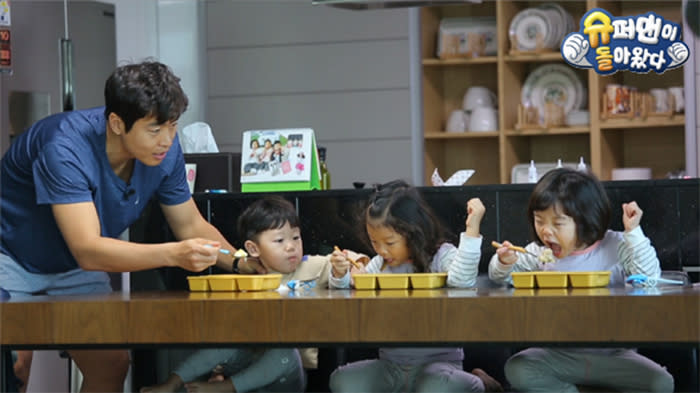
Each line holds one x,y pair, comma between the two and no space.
250,369
560,370
378,375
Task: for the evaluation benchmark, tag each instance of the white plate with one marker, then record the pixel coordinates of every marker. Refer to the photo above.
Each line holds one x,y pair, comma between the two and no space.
526,25
560,21
556,83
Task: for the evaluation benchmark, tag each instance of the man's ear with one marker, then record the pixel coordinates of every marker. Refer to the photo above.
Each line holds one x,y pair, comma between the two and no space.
251,248
116,124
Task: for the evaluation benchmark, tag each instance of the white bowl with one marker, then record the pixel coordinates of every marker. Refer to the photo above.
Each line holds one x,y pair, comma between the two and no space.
578,118
631,173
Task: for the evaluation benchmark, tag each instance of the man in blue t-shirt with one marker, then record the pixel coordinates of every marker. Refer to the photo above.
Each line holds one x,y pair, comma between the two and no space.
74,181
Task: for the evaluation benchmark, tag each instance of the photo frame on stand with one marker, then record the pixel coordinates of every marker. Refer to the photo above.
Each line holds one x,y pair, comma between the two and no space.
279,160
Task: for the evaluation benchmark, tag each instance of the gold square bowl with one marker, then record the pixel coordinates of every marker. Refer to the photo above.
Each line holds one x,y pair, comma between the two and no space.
272,281
552,279
198,283
393,281
258,282
365,281
428,280
223,282
523,279
589,279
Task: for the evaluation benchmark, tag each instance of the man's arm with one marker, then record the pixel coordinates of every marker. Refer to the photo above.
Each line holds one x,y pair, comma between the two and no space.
80,226
187,222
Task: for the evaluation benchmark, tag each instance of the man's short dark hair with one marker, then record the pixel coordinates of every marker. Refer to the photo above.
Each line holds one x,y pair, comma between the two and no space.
145,89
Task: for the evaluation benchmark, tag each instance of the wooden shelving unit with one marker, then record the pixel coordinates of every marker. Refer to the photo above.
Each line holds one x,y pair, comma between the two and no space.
656,142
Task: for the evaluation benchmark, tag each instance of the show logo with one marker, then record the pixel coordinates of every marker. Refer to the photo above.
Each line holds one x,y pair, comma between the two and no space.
640,43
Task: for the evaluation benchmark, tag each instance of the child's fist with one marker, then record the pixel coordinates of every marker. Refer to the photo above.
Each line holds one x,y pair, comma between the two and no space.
340,263
631,215
475,212
505,255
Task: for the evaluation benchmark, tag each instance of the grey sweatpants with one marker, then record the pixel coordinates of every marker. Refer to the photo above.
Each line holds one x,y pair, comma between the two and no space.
379,375
560,370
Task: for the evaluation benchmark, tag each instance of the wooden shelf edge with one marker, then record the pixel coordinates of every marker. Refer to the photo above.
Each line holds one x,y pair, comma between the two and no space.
432,62
460,135
534,57
549,131
653,121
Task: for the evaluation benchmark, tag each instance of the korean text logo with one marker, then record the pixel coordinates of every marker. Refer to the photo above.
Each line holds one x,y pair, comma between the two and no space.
640,43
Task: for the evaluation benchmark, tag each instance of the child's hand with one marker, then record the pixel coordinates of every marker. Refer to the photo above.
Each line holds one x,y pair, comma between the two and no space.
172,384
631,215
475,212
340,263
505,255
214,386
217,374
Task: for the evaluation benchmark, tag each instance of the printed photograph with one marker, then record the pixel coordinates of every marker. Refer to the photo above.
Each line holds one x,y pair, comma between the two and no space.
276,155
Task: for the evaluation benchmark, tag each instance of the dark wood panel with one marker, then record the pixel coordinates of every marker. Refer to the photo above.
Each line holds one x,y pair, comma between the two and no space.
166,320
396,320
250,318
24,323
320,321
98,322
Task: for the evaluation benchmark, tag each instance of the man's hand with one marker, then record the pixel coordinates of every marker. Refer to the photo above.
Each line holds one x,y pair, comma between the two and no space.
194,255
251,265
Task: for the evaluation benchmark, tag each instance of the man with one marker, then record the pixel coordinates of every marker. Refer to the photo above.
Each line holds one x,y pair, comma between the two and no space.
74,181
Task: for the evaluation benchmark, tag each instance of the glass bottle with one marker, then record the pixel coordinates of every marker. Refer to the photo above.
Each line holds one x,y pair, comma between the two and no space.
325,175
532,176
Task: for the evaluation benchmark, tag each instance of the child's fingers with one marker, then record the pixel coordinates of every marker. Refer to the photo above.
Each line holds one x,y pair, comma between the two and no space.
474,206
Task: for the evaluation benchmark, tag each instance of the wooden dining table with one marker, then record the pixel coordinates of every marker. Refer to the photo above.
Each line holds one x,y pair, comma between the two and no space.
571,316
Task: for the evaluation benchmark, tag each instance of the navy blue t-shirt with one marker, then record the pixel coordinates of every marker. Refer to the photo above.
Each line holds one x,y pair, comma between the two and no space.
62,159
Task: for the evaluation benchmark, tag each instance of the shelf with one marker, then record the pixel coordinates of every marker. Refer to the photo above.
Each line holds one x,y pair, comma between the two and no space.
460,135
549,131
431,62
658,121
534,57
604,143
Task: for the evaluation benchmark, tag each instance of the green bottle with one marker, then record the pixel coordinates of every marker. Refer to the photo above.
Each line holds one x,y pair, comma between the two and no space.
325,175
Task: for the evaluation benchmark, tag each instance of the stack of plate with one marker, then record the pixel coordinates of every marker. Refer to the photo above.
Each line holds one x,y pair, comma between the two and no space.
554,83
550,21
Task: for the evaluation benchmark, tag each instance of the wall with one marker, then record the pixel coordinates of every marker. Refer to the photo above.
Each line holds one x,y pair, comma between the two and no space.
275,64
137,34
697,104
169,31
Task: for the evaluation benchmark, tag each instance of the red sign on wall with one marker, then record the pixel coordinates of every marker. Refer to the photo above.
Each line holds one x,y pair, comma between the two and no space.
5,51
